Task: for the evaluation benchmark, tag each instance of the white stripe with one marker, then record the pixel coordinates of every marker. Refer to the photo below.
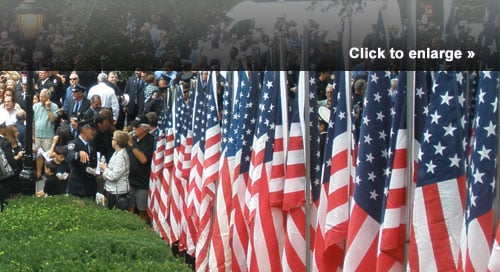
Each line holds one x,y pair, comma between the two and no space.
365,236
393,218
295,157
398,178
339,180
340,143
453,213
479,250
425,252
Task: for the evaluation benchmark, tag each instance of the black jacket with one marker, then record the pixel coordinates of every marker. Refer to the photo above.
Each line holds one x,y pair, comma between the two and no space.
81,183
135,92
139,173
84,106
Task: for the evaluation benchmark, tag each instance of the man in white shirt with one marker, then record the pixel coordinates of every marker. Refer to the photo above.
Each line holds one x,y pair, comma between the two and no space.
8,112
107,94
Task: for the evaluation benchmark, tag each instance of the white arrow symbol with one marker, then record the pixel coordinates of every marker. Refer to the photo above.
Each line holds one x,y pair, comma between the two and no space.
470,54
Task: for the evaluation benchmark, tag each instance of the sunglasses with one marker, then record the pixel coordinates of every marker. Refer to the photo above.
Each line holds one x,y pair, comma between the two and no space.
73,78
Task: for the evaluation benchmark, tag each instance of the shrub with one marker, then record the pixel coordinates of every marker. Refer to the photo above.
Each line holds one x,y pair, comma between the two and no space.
63,233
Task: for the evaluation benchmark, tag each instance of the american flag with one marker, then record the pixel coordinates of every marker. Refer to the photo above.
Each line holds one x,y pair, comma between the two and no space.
439,198
178,191
477,233
210,175
371,171
195,181
265,220
165,199
220,249
249,100
154,200
393,228
333,199
294,195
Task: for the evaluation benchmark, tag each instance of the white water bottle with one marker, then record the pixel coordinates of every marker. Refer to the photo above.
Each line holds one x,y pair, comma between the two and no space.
98,168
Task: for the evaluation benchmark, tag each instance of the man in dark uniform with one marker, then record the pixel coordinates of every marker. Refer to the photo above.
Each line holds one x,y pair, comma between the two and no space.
81,156
77,106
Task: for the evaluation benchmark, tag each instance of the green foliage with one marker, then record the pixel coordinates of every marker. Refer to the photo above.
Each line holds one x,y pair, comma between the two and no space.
64,233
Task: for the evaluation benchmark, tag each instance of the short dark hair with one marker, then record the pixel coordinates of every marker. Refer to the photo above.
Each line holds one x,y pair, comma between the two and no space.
61,150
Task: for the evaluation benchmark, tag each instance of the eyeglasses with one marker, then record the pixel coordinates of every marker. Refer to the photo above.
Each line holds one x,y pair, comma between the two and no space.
74,78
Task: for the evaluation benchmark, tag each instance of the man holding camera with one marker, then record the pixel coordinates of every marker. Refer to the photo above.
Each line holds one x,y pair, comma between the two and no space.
77,106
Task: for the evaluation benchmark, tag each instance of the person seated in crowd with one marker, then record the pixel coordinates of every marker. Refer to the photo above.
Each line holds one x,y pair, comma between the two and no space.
52,186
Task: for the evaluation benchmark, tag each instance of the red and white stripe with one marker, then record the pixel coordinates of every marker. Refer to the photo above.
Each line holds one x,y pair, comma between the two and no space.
476,243
164,216
392,232
494,263
210,177
154,176
220,248
437,222
333,210
294,193
239,226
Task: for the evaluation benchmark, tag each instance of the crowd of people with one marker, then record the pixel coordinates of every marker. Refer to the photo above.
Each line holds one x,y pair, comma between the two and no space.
85,140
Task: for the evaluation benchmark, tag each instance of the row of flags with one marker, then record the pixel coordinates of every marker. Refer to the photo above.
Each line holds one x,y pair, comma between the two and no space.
242,187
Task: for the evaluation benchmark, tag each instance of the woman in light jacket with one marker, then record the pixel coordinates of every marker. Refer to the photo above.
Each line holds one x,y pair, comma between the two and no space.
116,173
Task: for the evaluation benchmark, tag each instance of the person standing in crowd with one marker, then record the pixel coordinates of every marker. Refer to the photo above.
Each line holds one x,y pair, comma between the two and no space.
10,135
21,96
95,107
74,81
116,172
140,152
357,105
113,83
77,106
44,116
6,185
103,137
44,81
134,88
82,156
8,111
108,96
149,90
21,126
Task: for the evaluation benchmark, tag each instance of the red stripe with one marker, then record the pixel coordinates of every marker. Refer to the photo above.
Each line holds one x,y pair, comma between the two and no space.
396,198
399,159
339,162
437,228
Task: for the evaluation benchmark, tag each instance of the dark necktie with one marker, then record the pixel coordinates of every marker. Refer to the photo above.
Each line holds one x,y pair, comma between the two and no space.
76,107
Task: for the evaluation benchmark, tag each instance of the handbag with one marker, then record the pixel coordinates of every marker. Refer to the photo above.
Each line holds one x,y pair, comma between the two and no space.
6,169
121,201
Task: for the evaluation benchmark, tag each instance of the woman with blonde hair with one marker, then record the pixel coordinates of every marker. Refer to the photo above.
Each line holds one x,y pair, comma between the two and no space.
115,173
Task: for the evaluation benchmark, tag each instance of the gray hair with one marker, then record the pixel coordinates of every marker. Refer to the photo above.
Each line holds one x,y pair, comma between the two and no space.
102,77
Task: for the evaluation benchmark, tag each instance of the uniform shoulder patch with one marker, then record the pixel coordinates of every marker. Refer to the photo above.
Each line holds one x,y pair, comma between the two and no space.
71,146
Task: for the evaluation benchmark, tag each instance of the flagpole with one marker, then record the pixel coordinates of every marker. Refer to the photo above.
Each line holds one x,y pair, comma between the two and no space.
410,126
307,151
496,203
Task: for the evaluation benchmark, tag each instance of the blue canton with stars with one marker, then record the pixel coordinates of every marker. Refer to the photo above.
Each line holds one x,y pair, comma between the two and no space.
481,173
442,149
374,151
